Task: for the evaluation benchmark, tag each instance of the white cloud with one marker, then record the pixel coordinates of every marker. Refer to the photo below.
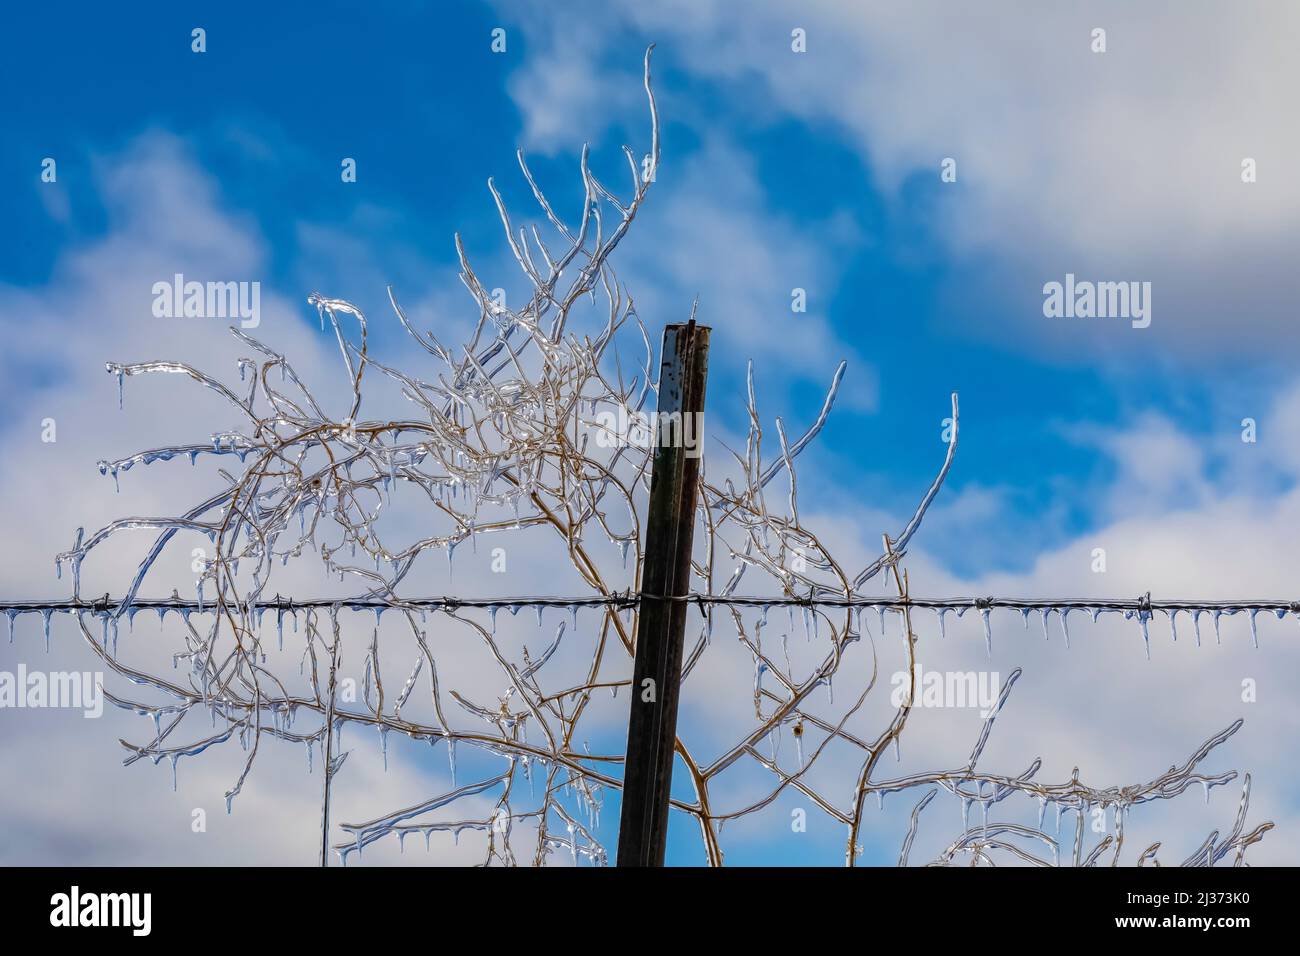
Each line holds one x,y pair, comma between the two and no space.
709,231
1102,706
1124,164
78,804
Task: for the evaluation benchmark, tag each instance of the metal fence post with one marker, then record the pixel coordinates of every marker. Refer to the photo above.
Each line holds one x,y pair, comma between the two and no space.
666,574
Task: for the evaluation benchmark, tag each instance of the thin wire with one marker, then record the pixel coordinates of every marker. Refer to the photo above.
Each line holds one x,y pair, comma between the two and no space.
625,599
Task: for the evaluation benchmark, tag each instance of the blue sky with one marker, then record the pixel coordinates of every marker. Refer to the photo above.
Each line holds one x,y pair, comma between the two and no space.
427,111
781,170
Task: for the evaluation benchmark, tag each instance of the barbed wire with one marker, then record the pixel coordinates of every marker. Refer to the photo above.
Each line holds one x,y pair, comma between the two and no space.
630,598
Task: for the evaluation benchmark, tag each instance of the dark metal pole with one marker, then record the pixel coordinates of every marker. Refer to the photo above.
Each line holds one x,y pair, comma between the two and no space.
666,572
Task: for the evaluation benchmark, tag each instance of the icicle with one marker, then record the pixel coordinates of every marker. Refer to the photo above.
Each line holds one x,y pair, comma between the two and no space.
988,630
1065,626
1254,633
